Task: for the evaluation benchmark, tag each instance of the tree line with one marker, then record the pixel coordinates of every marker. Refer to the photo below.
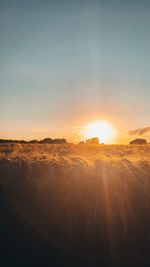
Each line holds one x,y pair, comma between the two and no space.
44,141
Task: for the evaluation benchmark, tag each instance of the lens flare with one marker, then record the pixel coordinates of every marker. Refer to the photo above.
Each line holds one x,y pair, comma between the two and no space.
101,129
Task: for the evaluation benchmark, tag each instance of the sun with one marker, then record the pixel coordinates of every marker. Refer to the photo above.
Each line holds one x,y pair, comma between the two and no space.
101,129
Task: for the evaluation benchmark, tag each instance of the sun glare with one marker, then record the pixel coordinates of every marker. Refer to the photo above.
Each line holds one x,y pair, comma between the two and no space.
101,129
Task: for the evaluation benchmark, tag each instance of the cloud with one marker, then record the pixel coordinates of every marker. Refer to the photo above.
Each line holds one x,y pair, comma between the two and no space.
139,131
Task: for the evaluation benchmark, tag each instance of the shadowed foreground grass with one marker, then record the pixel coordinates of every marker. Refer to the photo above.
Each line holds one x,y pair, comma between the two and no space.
75,205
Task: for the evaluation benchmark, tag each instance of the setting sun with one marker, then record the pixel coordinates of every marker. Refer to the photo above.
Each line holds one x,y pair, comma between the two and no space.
101,129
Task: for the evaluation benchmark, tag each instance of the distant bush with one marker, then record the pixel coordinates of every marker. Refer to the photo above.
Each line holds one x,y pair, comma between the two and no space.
53,141
138,141
81,142
94,140
33,142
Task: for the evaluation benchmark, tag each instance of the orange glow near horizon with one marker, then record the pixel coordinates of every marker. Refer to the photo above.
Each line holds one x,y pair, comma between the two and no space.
101,129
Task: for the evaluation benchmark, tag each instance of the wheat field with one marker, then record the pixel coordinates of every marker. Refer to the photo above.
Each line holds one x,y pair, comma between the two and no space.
92,202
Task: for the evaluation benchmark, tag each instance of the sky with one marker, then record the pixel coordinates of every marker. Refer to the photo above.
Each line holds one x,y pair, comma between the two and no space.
64,64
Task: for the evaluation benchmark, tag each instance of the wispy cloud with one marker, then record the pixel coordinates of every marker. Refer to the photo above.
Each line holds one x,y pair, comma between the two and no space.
139,131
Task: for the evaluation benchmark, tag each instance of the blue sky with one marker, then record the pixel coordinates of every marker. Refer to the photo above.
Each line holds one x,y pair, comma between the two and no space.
65,63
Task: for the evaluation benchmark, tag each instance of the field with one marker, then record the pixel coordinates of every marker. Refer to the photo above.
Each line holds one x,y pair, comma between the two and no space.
75,205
